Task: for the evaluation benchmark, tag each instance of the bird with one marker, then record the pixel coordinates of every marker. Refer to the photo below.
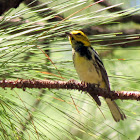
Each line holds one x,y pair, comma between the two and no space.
90,69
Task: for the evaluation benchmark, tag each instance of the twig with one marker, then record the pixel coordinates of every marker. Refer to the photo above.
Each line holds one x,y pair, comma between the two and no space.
72,84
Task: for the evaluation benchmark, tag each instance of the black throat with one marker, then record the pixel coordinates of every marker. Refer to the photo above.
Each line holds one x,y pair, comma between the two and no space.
83,50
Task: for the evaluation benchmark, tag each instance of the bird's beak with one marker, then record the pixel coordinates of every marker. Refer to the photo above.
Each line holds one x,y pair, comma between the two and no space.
69,34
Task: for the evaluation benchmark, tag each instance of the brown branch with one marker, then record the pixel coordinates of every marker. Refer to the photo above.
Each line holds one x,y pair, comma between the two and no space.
72,84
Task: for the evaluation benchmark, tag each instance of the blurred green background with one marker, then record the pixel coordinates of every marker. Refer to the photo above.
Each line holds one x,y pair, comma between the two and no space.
48,114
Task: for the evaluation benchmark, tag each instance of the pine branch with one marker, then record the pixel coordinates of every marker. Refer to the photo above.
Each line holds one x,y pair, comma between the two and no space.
134,18
32,4
72,84
134,41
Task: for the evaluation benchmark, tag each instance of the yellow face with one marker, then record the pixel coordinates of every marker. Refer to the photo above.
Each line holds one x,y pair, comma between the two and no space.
76,37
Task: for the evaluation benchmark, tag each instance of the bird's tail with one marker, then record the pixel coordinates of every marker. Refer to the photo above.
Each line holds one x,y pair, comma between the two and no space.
116,112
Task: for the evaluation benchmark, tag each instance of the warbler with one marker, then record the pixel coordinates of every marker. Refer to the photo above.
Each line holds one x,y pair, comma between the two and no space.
90,68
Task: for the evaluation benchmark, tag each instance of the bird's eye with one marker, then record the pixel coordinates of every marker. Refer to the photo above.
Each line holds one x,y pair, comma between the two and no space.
78,33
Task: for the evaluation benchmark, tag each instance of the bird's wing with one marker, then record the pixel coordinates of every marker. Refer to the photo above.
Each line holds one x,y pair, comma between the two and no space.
102,69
